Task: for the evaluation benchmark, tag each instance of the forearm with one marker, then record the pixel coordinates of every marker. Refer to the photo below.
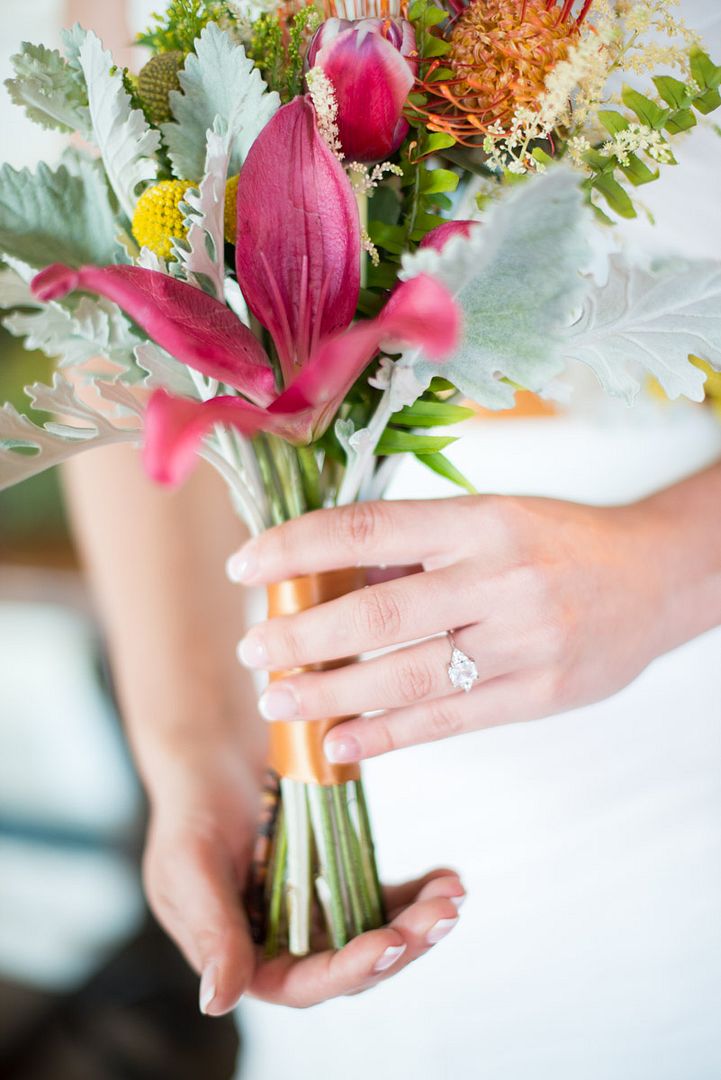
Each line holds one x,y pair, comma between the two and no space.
156,563
684,543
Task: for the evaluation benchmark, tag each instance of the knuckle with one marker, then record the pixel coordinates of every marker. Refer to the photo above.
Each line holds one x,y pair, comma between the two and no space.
382,736
317,698
285,644
360,523
413,681
379,613
443,721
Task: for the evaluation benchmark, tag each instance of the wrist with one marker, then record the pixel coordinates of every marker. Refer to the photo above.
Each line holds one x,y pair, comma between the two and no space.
180,744
681,561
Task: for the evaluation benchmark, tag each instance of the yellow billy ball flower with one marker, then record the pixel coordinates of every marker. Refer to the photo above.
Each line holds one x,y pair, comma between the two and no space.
156,80
157,219
230,218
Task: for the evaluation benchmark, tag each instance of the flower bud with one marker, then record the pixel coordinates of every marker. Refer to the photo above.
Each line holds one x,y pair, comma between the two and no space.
372,65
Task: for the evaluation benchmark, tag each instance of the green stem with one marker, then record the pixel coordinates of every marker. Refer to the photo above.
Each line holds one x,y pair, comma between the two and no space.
278,507
413,209
365,892
368,856
326,844
310,475
352,870
275,906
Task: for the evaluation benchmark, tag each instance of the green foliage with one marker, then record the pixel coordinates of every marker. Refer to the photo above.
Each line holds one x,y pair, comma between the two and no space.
280,56
427,16
404,442
673,113
304,23
181,23
427,412
50,90
440,464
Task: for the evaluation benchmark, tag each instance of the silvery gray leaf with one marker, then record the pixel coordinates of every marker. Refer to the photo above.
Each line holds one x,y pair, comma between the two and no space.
53,443
517,280
126,142
218,81
653,321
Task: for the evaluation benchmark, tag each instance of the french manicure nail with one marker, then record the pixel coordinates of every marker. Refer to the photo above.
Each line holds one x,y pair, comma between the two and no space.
207,987
241,566
278,703
252,653
342,751
458,901
388,958
439,931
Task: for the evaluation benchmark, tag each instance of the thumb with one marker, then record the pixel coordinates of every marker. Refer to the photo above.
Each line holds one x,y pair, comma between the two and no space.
194,892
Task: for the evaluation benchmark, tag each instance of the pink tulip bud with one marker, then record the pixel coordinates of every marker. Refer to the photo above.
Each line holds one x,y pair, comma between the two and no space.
372,65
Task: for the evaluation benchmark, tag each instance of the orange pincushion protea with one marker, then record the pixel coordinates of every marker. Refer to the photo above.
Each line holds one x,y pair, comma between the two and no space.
501,52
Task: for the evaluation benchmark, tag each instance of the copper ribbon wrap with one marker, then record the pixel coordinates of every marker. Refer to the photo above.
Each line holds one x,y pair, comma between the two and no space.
296,746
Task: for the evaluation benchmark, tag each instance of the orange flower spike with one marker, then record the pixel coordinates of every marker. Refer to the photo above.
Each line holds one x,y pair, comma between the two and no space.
501,54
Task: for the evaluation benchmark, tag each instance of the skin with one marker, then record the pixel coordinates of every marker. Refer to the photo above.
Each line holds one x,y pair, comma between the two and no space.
155,560
560,605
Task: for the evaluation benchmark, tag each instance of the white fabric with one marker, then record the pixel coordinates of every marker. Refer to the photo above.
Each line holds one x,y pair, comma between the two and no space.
590,945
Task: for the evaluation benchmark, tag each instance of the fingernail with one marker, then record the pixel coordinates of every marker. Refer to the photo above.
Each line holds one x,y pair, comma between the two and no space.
458,901
439,931
388,958
340,751
252,652
207,987
278,703
242,566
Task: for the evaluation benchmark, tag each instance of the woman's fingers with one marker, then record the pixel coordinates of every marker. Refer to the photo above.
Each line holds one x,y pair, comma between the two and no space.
394,680
368,619
437,883
506,700
363,534
365,960
194,893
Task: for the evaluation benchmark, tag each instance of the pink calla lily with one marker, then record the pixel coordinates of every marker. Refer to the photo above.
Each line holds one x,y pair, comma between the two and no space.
372,65
297,261
421,313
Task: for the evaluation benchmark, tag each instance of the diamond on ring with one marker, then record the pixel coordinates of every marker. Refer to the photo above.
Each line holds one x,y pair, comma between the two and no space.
462,671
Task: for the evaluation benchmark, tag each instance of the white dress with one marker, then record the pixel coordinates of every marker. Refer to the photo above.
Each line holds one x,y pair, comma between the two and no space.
590,843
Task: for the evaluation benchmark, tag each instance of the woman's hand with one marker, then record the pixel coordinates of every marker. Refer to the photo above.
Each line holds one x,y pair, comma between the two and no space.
558,604
197,857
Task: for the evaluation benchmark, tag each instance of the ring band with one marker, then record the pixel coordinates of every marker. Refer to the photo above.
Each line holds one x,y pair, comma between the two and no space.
462,670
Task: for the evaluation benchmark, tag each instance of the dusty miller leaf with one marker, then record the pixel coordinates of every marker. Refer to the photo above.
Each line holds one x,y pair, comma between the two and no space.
48,217
52,443
51,93
164,371
202,254
218,81
124,139
653,321
73,332
517,281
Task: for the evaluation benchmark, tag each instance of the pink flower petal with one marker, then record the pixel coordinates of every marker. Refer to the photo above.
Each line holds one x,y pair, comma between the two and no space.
298,243
175,427
437,238
372,81
421,312
194,328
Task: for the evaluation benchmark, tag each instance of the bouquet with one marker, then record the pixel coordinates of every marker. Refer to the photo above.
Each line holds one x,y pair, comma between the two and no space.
300,239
